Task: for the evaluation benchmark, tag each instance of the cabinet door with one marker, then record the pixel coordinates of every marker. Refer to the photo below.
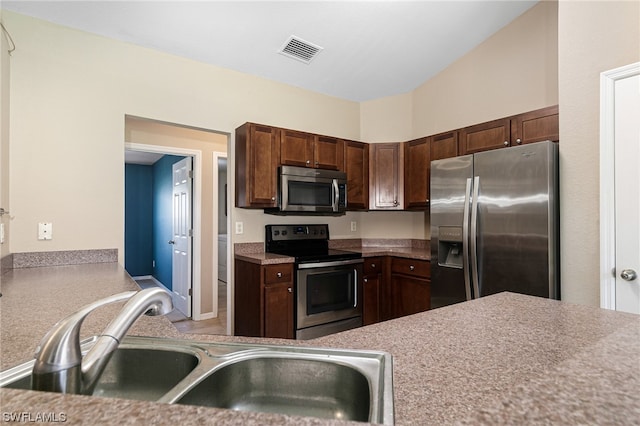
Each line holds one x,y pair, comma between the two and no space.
296,148
247,301
356,155
372,288
444,145
417,163
278,311
536,126
257,159
386,176
484,137
328,153
410,295
410,286
371,299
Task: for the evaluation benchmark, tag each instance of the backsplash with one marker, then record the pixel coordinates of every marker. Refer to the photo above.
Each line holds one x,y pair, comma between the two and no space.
58,258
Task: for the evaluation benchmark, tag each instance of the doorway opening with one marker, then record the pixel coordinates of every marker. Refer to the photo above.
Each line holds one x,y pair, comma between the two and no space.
151,136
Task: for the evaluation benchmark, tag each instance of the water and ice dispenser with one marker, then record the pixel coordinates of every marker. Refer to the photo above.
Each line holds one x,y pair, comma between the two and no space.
450,246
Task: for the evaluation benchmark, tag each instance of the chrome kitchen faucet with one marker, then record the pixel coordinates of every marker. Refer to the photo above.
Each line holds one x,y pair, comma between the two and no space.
59,366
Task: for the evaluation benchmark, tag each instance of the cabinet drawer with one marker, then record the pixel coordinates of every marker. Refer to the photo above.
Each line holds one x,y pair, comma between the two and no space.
372,265
282,273
413,267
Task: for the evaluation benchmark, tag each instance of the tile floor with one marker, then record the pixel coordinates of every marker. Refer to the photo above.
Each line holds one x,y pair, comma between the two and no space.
185,325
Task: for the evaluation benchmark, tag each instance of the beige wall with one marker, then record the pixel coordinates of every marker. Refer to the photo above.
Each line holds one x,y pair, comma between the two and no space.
514,71
4,138
77,87
593,37
70,92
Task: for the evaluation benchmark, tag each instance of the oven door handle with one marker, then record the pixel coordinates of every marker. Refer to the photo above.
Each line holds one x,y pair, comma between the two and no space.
336,195
355,288
334,263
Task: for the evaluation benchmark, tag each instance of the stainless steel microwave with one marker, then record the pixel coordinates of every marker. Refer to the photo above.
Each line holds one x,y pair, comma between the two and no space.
311,191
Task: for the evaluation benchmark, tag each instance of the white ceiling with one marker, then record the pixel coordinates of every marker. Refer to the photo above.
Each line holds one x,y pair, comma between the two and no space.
141,157
371,49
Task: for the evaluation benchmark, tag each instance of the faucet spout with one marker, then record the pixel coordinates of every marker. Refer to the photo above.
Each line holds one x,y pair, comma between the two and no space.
59,366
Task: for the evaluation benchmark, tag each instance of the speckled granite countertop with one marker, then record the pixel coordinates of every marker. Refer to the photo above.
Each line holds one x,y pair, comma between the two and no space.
504,359
407,248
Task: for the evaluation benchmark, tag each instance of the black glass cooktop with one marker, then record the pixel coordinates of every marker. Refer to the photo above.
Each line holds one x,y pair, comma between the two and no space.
305,243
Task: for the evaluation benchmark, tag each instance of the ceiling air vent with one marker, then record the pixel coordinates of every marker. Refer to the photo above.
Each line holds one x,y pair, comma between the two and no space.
300,49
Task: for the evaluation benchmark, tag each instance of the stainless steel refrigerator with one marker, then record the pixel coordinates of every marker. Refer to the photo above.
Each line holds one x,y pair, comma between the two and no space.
495,224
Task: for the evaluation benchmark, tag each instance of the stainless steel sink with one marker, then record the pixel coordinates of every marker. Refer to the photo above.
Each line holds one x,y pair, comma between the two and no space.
281,384
325,383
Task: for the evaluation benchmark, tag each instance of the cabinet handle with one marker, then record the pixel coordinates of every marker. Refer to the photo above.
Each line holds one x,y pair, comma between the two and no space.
289,290
273,198
506,143
366,280
308,162
395,202
373,265
411,267
279,274
518,141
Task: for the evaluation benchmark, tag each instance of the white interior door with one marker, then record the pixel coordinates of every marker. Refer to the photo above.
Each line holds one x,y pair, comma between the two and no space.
620,188
627,182
182,236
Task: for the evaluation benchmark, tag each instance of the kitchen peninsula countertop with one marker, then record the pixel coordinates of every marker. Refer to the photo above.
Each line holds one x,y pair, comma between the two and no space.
405,248
503,359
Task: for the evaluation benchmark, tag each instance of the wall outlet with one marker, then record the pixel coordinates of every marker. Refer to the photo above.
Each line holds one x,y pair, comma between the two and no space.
45,231
354,226
239,227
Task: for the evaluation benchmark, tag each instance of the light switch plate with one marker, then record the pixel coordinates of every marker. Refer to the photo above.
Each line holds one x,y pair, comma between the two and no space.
45,231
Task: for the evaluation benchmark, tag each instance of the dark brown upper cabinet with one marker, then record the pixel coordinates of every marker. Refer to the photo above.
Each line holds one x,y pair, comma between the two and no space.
308,150
417,161
257,159
386,176
356,160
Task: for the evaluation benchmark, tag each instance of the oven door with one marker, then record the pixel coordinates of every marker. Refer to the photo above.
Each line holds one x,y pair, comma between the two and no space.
328,292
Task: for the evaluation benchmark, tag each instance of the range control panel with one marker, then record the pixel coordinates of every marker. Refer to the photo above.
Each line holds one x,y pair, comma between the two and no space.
296,232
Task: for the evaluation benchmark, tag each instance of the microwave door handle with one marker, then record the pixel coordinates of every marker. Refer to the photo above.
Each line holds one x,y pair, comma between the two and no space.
336,195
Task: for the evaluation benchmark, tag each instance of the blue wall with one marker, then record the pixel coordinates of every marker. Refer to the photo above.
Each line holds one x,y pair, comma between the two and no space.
148,216
163,208
138,222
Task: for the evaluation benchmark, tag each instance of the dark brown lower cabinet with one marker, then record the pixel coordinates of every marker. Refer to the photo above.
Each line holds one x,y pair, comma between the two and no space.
410,286
373,274
263,304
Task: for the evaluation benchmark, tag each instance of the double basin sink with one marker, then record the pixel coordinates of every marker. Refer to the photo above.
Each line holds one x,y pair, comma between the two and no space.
315,382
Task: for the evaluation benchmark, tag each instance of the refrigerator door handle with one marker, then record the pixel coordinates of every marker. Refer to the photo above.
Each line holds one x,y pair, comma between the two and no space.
473,237
465,240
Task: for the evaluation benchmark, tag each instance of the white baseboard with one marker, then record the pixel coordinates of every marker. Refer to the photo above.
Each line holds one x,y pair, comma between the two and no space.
208,315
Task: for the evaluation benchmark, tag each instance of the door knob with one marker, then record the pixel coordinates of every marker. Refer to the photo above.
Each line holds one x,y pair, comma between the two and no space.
628,274
171,242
